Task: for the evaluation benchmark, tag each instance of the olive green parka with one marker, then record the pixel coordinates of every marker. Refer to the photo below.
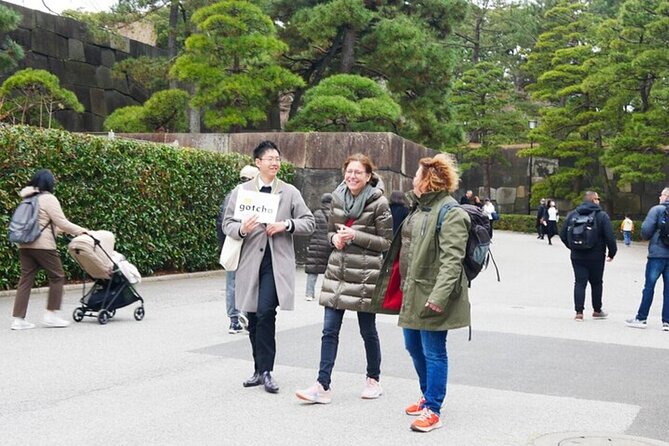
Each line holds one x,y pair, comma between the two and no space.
433,270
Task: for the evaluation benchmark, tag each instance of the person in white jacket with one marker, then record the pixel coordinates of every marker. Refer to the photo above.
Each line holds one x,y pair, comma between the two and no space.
489,210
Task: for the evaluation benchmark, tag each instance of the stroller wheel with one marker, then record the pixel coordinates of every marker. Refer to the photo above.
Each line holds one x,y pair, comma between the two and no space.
112,313
103,317
139,313
78,314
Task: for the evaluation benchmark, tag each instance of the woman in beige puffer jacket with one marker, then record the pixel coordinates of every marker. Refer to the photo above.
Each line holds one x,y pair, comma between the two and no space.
360,230
42,253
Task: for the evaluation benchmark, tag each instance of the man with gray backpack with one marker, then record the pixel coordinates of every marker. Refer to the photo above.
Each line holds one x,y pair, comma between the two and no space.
655,229
588,233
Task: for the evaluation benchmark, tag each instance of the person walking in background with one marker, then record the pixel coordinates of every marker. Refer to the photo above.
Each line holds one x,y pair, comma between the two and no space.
588,260
319,248
398,208
489,210
267,261
627,226
477,202
552,220
467,198
657,264
433,284
238,320
360,229
541,219
42,253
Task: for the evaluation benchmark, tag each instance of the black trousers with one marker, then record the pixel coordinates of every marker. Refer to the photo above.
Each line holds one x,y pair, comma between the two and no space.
588,270
262,323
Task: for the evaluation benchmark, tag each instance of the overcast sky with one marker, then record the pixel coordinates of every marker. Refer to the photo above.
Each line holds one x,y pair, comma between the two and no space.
58,6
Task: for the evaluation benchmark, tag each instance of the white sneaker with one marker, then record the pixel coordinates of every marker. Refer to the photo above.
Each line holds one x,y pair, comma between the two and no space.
51,319
21,324
635,323
309,298
315,394
372,389
665,326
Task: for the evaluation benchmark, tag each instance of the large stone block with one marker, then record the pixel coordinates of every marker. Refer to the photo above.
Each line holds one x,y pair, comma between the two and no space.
45,21
48,43
79,73
108,57
76,50
70,28
115,100
120,43
82,93
22,36
98,102
103,77
505,195
93,54
38,62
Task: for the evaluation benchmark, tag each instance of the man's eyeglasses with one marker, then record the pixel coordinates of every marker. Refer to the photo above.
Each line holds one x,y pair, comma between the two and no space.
272,159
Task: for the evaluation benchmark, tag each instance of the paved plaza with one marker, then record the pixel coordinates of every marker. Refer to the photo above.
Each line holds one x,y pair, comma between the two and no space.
529,376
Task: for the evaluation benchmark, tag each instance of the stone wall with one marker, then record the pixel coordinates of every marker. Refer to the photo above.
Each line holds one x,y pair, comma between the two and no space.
82,62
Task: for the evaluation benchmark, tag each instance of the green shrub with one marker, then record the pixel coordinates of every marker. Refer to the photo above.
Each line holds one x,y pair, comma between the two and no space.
128,119
160,202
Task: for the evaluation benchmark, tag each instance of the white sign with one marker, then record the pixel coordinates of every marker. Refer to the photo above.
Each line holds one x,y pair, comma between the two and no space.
250,203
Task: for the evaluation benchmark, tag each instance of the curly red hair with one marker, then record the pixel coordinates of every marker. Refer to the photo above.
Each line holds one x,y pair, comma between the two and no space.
438,173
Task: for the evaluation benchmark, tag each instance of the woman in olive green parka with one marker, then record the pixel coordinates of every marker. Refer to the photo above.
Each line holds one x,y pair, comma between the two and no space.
434,297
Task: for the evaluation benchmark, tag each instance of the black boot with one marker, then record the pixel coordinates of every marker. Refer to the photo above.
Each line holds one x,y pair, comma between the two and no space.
253,381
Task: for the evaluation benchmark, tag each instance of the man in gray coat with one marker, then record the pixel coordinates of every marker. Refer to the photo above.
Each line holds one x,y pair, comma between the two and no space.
266,273
657,264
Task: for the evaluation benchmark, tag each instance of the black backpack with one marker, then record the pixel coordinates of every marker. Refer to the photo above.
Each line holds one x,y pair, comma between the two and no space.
478,252
663,227
582,232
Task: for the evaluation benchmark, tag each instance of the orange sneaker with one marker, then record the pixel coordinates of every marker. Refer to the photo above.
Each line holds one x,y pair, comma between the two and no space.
416,408
426,422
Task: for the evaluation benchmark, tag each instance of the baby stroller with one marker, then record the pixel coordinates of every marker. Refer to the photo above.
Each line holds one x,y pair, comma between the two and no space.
113,285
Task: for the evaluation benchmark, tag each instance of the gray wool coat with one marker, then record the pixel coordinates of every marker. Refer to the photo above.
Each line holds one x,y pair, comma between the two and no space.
291,207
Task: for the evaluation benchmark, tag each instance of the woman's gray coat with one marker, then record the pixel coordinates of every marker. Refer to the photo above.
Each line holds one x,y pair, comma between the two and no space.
291,207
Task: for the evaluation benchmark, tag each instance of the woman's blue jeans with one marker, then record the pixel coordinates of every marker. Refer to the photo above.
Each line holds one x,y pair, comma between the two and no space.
655,268
330,341
430,359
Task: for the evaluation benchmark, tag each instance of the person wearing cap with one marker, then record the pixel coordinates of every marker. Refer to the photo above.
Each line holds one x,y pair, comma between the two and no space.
319,248
238,321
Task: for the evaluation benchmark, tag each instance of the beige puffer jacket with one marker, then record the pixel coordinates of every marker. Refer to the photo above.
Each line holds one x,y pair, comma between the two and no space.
49,211
352,272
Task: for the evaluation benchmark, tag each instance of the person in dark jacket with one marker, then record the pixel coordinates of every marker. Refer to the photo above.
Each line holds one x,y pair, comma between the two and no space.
467,198
398,208
588,264
542,219
657,264
319,248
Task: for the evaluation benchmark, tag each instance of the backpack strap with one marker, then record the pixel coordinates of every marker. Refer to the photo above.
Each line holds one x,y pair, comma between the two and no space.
442,214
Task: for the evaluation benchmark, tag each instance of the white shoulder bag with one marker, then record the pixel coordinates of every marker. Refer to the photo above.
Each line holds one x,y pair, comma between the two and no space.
230,252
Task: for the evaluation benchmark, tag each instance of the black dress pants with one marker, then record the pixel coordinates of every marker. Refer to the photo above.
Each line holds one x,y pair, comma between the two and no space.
262,323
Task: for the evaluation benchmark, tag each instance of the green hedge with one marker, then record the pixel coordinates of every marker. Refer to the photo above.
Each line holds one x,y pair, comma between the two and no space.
526,223
160,202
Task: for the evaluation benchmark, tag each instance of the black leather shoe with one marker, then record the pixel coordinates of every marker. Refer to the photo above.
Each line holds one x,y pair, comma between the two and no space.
253,381
270,385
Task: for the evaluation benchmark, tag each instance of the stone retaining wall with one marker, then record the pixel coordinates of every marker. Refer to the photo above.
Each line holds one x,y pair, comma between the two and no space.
82,62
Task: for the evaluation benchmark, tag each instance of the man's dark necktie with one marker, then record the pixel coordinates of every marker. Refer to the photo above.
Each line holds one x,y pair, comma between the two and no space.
266,189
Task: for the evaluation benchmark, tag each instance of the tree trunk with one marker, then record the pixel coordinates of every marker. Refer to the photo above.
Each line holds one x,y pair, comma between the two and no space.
644,90
194,117
172,36
348,50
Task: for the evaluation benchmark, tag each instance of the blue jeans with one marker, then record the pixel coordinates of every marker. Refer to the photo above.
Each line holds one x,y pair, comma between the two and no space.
627,236
233,313
311,285
330,341
430,359
654,269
